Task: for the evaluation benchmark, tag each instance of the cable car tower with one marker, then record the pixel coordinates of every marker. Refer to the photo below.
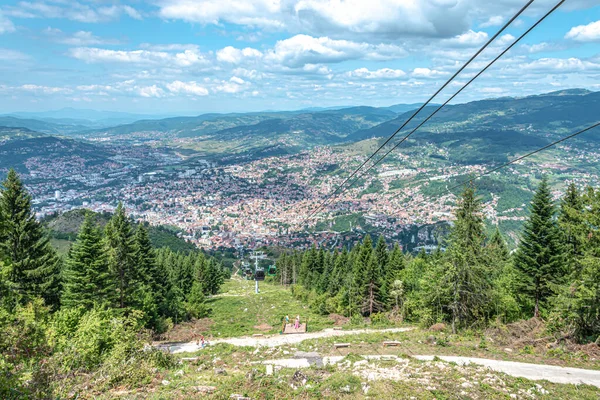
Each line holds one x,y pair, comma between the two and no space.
259,273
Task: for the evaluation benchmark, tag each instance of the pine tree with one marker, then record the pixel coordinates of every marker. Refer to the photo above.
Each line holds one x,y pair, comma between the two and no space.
328,262
308,267
381,255
540,257
87,279
394,268
213,278
372,296
195,304
572,227
579,302
463,273
362,258
150,273
120,248
382,258
340,272
34,269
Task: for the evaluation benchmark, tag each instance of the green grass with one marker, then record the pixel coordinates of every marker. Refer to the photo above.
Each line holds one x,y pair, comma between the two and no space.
238,310
62,246
348,380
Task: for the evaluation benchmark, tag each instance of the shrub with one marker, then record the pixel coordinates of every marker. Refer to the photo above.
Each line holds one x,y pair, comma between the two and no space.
379,319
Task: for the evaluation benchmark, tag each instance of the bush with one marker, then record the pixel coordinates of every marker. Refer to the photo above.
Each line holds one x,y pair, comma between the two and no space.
379,319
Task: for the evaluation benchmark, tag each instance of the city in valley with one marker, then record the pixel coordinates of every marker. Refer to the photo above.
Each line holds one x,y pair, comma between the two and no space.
231,198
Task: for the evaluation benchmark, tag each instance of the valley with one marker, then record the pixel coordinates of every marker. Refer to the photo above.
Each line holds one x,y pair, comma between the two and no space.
202,173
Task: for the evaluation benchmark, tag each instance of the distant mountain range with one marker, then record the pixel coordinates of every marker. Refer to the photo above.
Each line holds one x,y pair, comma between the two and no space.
495,127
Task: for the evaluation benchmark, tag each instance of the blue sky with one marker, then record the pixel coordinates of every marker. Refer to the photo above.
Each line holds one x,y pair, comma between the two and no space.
195,56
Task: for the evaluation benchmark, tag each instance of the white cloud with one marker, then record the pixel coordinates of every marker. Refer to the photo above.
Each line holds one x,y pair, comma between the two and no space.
170,47
585,33
44,89
80,38
162,58
187,87
560,65
300,50
468,39
384,73
6,26
262,13
72,10
151,91
543,47
232,55
329,17
12,55
428,73
495,20
234,85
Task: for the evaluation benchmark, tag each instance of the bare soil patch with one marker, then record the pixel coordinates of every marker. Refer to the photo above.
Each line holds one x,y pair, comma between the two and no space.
338,319
187,331
263,327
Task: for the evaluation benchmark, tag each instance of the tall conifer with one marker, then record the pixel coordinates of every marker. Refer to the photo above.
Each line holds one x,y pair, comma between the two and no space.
540,257
33,268
87,279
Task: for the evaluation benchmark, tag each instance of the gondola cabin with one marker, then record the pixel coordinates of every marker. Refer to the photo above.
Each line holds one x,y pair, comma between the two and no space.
272,271
260,274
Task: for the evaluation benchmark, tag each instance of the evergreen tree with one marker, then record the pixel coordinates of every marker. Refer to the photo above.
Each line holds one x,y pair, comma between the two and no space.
502,277
121,255
382,258
87,279
579,302
362,258
33,268
308,267
381,255
572,228
372,296
340,271
540,257
323,281
213,278
394,268
153,278
464,277
195,304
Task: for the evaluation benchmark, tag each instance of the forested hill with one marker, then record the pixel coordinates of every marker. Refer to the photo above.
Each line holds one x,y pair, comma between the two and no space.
66,226
545,114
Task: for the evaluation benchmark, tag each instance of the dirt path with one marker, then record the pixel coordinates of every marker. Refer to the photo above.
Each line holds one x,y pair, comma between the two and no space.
550,373
533,372
278,340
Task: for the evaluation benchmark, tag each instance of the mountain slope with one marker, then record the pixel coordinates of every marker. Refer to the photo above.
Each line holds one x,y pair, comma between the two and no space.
65,227
491,129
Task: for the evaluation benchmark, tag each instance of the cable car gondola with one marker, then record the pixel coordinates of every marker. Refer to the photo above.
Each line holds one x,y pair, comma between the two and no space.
259,274
272,271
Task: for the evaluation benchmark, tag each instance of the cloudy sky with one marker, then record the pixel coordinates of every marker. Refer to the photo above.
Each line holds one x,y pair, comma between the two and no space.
194,56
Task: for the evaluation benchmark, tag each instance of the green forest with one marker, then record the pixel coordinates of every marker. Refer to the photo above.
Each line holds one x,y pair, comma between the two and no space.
554,273
94,310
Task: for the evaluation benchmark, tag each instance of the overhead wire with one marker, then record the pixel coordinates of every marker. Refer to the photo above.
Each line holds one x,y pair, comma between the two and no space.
515,42
504,27
513,161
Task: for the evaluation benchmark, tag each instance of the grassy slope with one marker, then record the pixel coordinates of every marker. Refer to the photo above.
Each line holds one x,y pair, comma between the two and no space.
408,378
239,310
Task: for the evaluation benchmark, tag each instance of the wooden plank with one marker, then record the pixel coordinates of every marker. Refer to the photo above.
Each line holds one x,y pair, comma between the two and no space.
391,343
289,328
340,345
